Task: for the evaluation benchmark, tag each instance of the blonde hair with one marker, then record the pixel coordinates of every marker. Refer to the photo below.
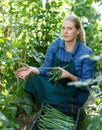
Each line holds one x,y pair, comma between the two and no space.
75,19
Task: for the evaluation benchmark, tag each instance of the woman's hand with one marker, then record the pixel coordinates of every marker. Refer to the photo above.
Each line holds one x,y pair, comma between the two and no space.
25,71
66,74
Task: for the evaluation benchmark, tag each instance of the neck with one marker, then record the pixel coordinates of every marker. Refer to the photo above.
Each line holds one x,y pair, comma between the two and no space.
69,45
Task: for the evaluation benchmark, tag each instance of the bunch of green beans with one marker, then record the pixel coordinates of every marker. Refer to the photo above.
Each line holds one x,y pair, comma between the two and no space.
55,73
52,119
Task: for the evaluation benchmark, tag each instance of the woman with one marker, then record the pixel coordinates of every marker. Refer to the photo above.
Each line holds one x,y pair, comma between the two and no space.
65,51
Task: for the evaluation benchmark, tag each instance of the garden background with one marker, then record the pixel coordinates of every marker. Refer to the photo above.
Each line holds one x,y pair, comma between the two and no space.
27,27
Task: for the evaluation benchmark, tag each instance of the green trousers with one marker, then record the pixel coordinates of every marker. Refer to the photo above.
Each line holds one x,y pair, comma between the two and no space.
45,90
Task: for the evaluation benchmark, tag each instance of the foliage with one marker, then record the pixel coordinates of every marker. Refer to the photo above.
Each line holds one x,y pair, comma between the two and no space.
96,118
27,29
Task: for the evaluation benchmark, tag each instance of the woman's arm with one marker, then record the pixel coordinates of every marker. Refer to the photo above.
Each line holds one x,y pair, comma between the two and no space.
48,57
87,69
66,74
25,71
86,73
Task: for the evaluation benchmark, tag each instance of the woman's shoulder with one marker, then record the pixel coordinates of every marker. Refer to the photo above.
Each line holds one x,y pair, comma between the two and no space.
86,49
56,43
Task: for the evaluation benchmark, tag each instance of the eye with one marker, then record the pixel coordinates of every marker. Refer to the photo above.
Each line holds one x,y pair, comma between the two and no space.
69,28
63,28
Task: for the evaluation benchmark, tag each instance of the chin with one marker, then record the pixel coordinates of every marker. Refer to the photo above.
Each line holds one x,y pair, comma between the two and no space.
67,40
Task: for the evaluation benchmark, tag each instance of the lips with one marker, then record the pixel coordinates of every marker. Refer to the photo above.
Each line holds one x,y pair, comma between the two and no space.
65,36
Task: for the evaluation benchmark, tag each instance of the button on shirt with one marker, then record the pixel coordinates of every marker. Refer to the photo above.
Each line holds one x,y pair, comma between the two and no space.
83,63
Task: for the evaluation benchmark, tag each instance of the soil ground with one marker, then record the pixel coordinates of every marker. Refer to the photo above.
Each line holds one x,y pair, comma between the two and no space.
25,122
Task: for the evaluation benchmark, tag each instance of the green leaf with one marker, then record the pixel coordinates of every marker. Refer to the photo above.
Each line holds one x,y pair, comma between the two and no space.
27,109
13,111
27,101
18,100
3,119
99,109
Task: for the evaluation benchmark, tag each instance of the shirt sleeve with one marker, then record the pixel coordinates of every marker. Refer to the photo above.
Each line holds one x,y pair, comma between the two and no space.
48,59
87,69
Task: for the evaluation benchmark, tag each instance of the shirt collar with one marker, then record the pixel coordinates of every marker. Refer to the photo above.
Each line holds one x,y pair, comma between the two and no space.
62,43
75,48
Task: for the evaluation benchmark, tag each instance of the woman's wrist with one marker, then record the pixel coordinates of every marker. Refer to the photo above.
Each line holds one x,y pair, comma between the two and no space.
72,77
34,70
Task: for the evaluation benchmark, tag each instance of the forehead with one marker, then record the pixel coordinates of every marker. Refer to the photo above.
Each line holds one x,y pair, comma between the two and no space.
68,23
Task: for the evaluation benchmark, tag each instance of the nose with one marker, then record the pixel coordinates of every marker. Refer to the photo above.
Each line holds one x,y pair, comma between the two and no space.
65,31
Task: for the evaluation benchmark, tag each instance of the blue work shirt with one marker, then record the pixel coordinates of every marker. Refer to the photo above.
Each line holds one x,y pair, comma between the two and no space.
83,63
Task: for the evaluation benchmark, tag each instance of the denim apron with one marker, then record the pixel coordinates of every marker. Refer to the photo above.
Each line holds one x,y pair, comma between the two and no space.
40,86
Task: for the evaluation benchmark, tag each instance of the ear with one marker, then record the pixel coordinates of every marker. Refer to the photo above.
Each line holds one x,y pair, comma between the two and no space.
78,31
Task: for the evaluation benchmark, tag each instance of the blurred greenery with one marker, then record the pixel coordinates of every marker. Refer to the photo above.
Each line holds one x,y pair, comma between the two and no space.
27,28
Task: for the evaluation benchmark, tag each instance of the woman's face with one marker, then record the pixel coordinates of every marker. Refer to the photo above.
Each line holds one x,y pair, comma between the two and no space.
69,31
